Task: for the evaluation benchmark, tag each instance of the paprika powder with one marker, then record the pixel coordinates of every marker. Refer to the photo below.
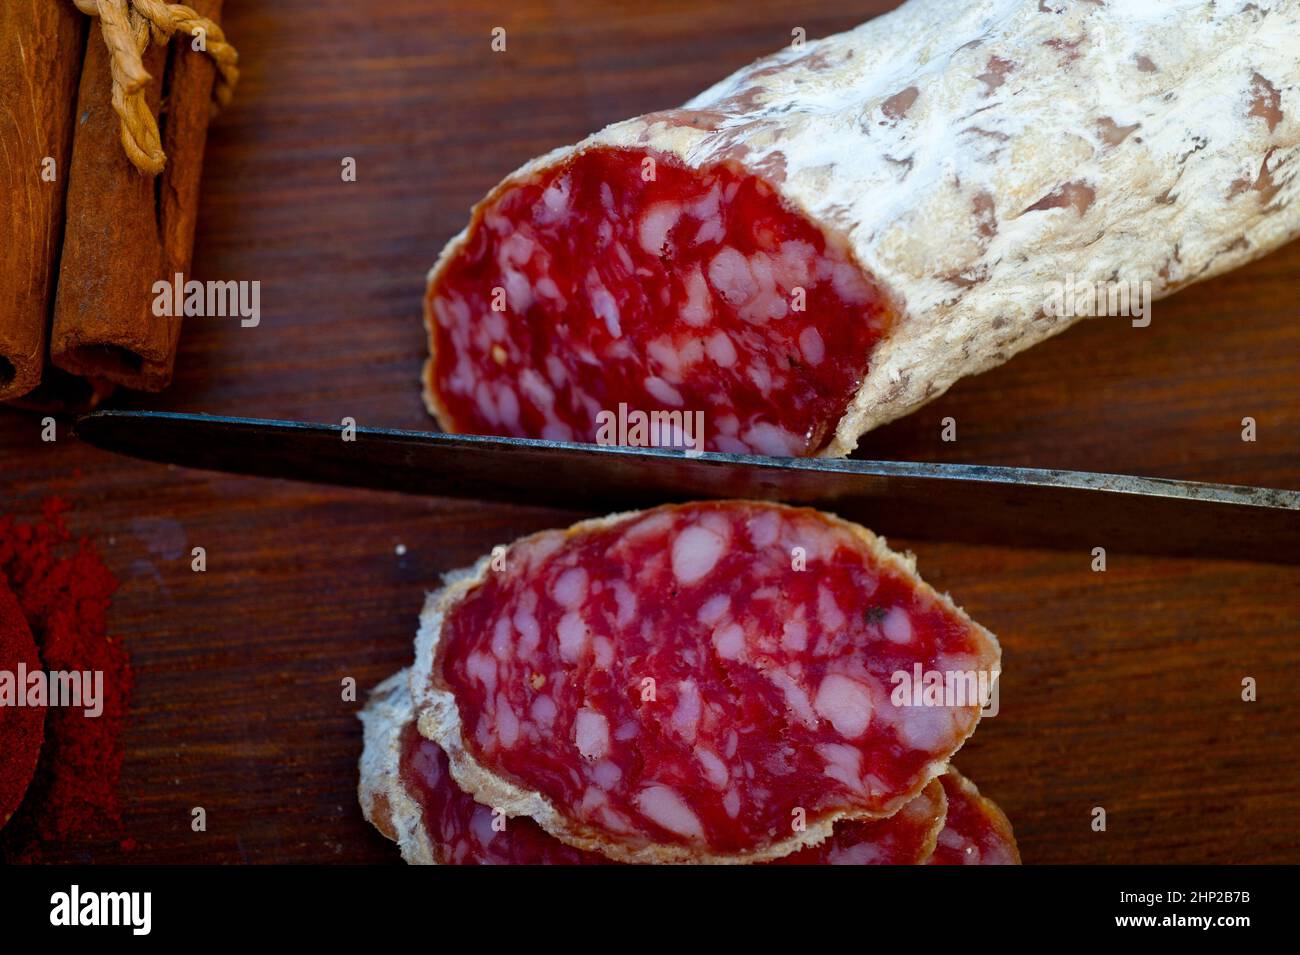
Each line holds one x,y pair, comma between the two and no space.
64,591
21,727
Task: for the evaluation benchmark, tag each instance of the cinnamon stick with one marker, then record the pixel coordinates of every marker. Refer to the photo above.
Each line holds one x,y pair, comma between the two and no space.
125,231
185,134
41,47
104,326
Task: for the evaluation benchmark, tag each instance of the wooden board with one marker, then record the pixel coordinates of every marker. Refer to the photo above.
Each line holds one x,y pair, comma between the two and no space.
1121,689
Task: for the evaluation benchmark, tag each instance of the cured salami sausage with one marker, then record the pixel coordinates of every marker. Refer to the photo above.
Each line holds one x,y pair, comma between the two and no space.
719,681
403,771
976,832
832,236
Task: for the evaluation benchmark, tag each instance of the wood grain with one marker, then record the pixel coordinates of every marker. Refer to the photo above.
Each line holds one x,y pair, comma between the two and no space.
1121,689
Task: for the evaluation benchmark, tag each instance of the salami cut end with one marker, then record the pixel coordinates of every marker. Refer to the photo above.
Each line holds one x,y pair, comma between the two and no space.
624,279
976,832
718,681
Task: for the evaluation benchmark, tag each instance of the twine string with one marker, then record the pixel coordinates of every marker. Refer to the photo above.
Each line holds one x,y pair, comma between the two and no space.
128,26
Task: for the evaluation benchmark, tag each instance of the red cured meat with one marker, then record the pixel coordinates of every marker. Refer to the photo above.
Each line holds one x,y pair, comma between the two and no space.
905,838
461,830
976,831
697,291
703,676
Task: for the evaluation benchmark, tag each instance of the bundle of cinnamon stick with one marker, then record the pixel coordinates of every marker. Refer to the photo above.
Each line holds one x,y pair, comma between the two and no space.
87,234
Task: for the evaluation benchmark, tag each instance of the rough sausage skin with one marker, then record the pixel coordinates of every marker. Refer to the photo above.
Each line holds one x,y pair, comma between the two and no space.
703,682
976,831
405,775
964,158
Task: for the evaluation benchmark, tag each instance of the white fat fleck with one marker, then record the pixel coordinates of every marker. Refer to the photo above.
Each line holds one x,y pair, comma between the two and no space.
502,639
665,807
721,349
625,599
707,207
729,273
508,406
556,371
546,288
729,641
696,551
733,744
764,528
698,309
483,668
486,404
846,703
654,524
603,652
772,439
931,729
812,346
712,230
543,711
519,291
844,764
555,201
591,733
530,633
794,636
829,614
662,391
557,431
686,715
507,723
573,636
731,803
606,774
536,389
656,223
715,770
713,609
603,304
897,626
570,588
796,698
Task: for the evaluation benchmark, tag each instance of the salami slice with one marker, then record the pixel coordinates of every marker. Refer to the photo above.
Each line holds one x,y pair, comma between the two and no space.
451,828
832,236
705,682
976,831
908,837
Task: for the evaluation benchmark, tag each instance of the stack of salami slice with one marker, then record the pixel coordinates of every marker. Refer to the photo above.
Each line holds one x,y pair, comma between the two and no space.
720,682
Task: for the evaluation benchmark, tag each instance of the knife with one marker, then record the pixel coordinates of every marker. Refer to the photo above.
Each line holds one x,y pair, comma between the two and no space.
958,502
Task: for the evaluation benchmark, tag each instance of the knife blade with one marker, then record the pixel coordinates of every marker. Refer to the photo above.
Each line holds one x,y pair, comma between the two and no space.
960,502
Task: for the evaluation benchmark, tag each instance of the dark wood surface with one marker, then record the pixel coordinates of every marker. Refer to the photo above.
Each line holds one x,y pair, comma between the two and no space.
1121,689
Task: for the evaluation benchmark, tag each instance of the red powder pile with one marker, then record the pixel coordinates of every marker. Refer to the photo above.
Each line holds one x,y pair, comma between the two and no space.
21,727
64,591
